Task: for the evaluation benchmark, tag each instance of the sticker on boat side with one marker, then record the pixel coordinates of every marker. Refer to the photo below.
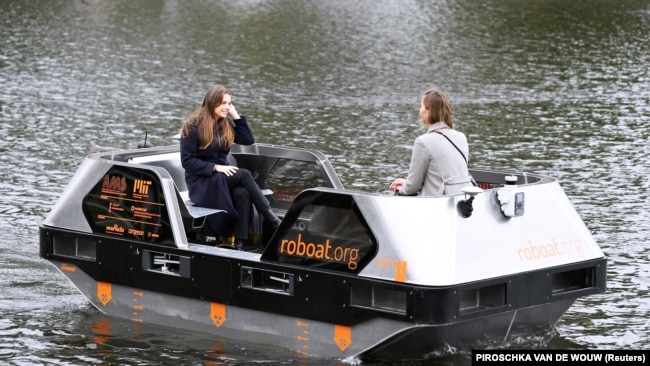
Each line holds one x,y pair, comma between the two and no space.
218,313
302,337
342,336
399,266
104,292
322,251
325,230
128,203
68,267
553,248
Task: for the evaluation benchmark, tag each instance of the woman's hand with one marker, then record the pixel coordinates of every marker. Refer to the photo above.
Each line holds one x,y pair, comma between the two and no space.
228,170
397,184
233,112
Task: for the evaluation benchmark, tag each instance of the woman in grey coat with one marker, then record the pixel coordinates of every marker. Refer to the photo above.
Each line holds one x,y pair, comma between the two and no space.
439,159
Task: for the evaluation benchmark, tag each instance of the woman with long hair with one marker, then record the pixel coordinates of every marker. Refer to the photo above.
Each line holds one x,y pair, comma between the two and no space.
206,139
439,158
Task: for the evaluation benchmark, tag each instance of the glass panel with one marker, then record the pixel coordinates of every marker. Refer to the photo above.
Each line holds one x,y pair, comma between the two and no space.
324,230
290,177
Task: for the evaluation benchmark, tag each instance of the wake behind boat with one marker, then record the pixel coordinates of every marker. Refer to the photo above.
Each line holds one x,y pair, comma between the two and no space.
345,274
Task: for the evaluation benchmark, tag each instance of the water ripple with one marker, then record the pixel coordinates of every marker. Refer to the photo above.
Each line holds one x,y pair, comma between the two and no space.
552,87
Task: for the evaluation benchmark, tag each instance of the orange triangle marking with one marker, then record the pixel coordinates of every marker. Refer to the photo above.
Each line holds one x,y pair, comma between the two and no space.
342,336
218,313
104,292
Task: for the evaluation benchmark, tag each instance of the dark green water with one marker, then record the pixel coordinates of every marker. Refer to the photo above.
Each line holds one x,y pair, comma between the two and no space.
554,87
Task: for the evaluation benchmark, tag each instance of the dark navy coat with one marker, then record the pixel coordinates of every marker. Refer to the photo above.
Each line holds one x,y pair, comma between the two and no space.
206,187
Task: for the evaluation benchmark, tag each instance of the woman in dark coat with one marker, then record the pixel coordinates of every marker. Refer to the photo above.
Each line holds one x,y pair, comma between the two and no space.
206,139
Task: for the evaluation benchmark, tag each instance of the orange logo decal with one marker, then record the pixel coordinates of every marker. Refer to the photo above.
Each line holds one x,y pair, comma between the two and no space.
322,251
114,183
141,187
550,249
400,271
68,267
104,292
342,336
218,313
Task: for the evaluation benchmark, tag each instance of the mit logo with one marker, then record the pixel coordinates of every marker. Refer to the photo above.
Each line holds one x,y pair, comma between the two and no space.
141,186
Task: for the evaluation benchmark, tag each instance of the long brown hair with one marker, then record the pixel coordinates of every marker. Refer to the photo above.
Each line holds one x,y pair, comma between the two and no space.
208,123
439,107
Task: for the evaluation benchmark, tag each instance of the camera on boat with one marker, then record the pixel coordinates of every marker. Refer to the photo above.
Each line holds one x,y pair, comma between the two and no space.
465,207
510,201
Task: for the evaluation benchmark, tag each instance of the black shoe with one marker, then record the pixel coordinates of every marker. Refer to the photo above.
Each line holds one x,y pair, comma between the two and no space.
242,244
274,220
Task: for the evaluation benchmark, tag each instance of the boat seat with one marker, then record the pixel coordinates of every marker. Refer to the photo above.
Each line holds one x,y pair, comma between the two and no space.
194,215
196,212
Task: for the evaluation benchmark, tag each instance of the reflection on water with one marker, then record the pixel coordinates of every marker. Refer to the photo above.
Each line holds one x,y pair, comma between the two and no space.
553,87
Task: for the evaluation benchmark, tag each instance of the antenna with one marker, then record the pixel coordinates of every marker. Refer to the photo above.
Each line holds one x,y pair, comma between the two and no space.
143,144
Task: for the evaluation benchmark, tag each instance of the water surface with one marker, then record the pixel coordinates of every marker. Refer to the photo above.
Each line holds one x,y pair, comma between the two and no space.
551,87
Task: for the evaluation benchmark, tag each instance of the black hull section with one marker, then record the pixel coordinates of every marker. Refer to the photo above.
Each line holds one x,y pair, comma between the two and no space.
415,320
422,342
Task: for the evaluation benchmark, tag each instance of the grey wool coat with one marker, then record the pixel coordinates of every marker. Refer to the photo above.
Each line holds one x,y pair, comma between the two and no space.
437,168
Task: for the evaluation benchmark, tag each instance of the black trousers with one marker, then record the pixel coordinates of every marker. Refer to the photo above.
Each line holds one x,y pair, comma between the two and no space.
245,191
